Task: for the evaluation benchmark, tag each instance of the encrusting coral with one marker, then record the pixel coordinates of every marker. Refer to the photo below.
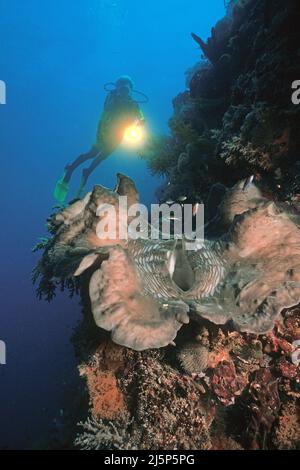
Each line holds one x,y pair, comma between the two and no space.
288,433
237,399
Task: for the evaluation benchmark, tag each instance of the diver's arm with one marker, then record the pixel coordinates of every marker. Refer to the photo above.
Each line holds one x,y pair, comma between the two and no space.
141,117
138,113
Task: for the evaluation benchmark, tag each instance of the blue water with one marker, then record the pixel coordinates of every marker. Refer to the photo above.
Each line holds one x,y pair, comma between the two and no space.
55,57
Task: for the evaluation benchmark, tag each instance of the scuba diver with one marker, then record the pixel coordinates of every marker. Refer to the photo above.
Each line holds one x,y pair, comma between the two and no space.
120,112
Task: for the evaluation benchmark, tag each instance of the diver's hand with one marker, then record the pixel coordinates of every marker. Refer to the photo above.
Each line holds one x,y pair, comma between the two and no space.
140,122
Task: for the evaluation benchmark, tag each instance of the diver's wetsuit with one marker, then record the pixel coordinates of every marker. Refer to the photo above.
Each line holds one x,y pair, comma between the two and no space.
119,112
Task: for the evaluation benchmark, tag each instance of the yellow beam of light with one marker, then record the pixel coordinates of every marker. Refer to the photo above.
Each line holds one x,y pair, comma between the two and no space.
134,135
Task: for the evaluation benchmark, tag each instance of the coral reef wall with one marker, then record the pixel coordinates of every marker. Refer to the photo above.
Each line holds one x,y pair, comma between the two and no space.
237,118
217,388
232,380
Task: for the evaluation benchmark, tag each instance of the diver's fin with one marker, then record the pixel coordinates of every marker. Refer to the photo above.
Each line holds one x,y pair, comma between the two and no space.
61,190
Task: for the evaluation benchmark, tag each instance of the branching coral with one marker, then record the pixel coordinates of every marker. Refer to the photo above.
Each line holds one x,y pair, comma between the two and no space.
235,153
183,131
255,138
101,434
157,154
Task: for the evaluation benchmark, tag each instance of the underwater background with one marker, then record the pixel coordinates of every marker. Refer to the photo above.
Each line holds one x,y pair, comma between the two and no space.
55,58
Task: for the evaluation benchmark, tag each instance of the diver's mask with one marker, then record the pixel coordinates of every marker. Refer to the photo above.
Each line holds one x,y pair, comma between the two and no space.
123,91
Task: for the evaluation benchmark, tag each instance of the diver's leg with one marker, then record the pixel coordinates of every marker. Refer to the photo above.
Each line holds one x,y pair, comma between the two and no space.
62,186
79,160
87,171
